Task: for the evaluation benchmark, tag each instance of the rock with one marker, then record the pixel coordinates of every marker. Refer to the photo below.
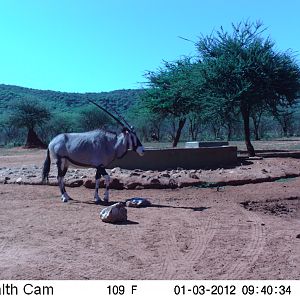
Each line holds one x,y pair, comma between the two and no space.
90,184
149,172
298,236
138,202
31,175
176,175
165,175
116,170
114,213
75,183
139,187
132,185
134,174
173,183
3,180
154,181
116,184
19,180
193,175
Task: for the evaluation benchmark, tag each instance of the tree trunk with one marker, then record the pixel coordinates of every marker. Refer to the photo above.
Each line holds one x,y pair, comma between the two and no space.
178,132
229,131
246,119
193,133
285,130
194,128
285,126
256,122
256,135
33,141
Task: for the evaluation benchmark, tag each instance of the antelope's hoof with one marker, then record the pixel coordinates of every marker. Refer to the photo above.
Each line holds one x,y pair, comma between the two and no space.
97,200
65,198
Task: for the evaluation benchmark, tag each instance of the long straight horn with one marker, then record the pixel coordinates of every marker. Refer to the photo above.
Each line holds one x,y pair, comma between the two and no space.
125,122
110,114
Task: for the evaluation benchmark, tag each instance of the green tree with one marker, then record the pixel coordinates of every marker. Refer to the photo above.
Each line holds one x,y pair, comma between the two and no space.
91,118
145,121
218,113
195,122
285,118
9,134
256,115
243,69
29,113
173,92
60,122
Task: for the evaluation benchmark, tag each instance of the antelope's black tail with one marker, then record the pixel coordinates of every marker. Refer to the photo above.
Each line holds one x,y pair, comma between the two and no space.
46,167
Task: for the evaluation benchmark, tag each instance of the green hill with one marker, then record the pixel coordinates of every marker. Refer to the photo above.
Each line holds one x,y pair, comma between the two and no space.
62,101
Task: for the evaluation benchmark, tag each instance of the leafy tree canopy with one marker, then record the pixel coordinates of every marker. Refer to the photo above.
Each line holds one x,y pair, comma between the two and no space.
28,113
91,118
242,70
173,89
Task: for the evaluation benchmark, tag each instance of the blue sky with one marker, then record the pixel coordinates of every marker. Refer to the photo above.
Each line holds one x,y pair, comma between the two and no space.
104,45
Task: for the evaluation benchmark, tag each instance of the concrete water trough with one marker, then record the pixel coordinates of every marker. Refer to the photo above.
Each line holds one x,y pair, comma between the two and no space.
197,144
186,158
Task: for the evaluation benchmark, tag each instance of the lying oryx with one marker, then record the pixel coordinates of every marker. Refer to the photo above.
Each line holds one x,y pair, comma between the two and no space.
93,149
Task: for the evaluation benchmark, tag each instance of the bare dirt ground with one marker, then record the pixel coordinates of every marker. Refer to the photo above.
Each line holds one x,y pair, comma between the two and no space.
249,231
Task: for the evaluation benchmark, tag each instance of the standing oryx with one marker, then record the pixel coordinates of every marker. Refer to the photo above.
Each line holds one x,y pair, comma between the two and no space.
93,149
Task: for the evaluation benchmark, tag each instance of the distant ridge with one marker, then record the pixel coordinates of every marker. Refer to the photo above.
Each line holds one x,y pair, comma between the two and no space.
62,101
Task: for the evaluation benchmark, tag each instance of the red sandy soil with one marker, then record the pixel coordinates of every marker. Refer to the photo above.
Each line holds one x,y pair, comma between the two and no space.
251,231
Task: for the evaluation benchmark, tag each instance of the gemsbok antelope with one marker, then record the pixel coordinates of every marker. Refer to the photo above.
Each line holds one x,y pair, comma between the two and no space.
93,149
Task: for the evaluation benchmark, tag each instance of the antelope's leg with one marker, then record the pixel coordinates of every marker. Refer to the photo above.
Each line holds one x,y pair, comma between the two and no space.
62,169
107,182
97,178
102,171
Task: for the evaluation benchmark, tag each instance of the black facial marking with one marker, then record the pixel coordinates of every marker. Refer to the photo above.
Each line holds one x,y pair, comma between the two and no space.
132,142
